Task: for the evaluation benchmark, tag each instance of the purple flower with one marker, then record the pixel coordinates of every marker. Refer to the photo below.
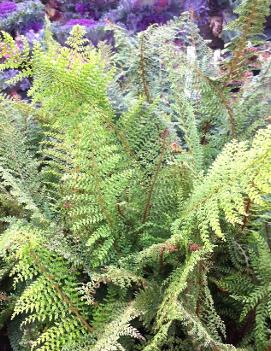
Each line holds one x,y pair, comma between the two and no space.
81,8
81,21
161,4
7,7
36,26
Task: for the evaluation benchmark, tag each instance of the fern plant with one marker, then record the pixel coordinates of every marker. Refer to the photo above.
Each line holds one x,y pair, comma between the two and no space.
248,27
132,217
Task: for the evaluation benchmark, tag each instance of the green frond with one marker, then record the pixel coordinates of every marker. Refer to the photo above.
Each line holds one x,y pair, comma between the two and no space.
50,297
243,173
18,158
135,193
248,27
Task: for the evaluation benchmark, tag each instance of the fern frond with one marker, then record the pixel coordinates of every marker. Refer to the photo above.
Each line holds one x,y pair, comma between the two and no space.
244,170
248,26
51,298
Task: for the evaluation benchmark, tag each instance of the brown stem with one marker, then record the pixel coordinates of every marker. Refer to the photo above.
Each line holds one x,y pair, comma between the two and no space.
238,53
119,134
161,258
61,293
147,208
223,100
120,211
248,204
205,128
225,103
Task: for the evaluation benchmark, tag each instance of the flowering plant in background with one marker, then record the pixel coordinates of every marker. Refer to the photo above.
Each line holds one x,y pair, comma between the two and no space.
135,186
21,17
137,15
83,8
27,17
134,15
95,30
6,8
199,8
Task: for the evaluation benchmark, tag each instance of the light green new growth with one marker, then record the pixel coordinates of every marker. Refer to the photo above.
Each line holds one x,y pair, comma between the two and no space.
134,197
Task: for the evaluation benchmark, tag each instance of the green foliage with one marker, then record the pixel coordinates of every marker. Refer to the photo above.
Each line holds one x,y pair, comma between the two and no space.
135,197
248,27
49,299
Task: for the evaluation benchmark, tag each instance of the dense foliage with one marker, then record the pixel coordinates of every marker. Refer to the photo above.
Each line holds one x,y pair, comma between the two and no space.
135,191
19,17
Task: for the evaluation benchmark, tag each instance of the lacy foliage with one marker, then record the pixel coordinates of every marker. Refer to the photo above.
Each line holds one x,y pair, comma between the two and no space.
135,197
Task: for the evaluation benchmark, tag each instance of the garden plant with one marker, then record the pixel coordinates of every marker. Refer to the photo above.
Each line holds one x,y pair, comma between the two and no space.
135,181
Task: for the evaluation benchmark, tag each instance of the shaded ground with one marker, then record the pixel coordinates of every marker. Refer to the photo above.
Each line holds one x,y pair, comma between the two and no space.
4,343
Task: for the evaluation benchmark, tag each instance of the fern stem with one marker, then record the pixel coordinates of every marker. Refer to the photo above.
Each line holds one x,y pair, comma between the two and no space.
238,54
143,71
232,122
61,293
147,208
223,100
248,204
99,195
118,133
